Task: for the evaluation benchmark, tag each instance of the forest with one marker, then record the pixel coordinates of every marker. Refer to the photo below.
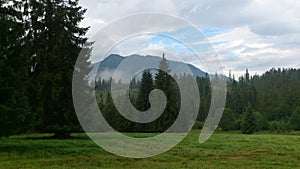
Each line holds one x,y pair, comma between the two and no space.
269,102
40,42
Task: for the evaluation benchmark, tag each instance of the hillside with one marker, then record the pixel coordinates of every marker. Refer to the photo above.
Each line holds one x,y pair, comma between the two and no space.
107,66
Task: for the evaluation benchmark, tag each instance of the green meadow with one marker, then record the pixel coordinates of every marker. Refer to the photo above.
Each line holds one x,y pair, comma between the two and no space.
222,150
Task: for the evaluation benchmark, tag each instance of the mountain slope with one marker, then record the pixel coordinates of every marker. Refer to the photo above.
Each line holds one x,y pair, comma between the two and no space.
110,64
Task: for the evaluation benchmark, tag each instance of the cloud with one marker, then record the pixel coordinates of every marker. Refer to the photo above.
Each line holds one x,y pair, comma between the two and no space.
251,34
132,33
241,48
262,17
94,23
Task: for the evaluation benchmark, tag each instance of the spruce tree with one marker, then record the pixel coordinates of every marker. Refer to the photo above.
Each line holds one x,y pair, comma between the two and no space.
248,123
56,40
165,82
14,109
294,120
144,91
228,120
205,96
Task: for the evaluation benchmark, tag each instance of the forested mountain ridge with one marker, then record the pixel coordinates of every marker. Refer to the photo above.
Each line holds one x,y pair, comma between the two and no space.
107,66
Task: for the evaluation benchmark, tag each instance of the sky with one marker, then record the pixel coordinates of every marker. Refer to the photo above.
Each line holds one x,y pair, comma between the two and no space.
254,34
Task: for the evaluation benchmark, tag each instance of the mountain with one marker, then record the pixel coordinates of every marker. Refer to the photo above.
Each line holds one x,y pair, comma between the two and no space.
107,66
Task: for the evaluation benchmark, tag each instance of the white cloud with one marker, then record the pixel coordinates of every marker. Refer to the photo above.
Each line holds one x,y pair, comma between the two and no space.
258,45
253,34
241,48
94,23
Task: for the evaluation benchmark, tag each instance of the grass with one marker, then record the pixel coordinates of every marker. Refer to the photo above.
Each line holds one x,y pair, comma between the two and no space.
222,150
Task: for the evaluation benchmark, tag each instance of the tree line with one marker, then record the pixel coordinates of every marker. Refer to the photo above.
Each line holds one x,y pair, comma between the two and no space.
254,103
139,95
273,98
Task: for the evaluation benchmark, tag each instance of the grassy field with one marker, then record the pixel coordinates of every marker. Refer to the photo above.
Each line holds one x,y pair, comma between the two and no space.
222,150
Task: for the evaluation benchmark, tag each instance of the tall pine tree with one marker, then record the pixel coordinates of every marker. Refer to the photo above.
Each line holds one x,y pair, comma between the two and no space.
56,40
165,82
14,109
144,91
248,123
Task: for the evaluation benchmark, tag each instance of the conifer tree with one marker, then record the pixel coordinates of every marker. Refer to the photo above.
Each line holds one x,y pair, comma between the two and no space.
165,82
228,120
144,91
248,123
14,109
56,40
294,120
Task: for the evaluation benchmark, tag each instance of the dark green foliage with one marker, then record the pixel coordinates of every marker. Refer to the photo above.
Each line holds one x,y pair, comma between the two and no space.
294,120
275,94
110,112
198,125
248,123
278,126
261,122
14,108
205,97
234,98
165,82
257,90
146,87
115,119
278,93
55,24
228,120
